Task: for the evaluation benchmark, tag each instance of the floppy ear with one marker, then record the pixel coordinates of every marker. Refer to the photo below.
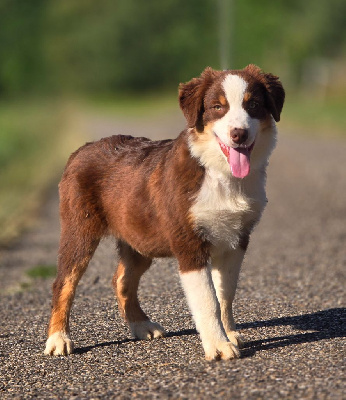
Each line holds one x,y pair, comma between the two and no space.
191,97
275,91
276,95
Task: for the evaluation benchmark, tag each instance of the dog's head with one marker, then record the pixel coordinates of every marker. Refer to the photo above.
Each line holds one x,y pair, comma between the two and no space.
232,113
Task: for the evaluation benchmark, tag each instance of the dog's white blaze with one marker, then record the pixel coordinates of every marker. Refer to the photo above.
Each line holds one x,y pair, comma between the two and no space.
201,298
235,87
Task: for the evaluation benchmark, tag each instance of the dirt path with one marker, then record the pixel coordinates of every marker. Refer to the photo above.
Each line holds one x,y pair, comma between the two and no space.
290,300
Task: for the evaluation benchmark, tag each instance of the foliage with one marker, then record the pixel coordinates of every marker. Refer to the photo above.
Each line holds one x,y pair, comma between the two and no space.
313,116
21,51
35,139
112,45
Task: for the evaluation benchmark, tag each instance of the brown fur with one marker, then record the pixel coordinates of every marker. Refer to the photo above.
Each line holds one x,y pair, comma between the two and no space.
141,192
120,185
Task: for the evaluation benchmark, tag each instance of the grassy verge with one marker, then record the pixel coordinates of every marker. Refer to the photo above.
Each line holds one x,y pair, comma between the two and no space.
132,106
35,139
315,116
42,272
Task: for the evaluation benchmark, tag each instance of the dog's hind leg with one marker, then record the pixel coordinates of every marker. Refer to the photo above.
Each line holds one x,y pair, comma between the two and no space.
76,249
126,279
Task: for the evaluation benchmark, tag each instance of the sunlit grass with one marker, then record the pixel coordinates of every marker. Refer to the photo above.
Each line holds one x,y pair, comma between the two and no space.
324,117
134,105
35,140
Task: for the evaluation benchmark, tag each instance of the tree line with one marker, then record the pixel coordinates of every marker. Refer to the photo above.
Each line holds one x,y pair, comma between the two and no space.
106,46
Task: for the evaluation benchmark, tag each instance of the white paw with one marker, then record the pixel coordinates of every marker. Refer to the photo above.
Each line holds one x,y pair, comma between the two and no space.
221,351
236,338
146,330
59,344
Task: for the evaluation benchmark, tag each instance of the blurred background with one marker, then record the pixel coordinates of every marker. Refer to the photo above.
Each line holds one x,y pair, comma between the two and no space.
63,61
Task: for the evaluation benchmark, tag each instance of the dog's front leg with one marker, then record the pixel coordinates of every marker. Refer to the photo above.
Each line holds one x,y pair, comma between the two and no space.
201,297
225,272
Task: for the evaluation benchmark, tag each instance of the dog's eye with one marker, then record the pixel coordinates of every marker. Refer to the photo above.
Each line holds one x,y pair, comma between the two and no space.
217,107
253,104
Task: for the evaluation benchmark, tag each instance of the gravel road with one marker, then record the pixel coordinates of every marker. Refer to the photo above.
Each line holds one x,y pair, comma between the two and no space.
290,303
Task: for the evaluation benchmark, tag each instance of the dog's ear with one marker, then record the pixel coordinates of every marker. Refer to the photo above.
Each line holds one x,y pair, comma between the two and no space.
275,95
191,97
274,90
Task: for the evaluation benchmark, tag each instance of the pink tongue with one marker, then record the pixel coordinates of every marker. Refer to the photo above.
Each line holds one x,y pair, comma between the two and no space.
239,161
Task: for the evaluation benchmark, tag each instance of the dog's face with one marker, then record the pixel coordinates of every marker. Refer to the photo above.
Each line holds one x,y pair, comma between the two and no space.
231,112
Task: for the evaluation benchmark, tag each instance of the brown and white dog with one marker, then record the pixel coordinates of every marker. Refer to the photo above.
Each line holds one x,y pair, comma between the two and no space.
196,198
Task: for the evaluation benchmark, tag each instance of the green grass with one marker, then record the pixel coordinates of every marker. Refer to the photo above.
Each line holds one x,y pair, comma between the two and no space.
42,271
323,117
134,105
35,140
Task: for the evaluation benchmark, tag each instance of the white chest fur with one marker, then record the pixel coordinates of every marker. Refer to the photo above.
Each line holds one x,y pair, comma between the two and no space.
227,208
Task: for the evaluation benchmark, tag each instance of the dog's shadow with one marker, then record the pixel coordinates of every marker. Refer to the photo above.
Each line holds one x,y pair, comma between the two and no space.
82,350
326,324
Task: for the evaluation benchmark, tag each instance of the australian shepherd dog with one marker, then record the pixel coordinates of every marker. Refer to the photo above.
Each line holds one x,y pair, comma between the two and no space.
196,198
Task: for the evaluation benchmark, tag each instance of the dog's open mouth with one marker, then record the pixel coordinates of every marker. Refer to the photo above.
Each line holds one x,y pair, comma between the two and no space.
238,158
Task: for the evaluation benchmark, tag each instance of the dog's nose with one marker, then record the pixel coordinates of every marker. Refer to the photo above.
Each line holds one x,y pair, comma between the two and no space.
239,135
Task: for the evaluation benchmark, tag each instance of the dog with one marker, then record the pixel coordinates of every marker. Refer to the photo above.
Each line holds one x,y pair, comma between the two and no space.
196,197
